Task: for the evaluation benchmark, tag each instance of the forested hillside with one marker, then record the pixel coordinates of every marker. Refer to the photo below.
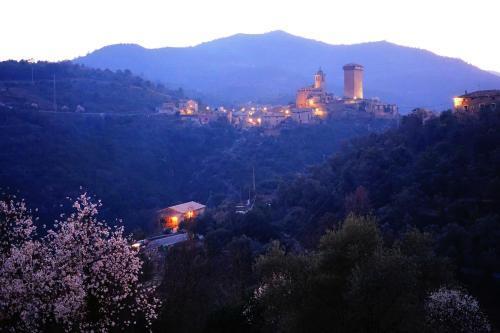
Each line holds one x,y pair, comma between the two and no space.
68,87
439,176
139,163
396,231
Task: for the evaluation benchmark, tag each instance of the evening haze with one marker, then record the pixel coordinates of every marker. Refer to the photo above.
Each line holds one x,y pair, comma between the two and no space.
57,29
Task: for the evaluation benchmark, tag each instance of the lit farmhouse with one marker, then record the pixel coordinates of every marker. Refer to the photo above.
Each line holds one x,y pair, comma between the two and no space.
172,216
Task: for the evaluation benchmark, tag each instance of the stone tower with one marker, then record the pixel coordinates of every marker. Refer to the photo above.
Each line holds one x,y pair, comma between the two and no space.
319,79
353,81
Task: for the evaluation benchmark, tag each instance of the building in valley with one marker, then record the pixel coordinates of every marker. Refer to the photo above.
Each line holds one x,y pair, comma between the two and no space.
172,216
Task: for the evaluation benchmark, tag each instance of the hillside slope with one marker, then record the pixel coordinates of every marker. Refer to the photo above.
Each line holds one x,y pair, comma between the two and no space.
270,67
34,86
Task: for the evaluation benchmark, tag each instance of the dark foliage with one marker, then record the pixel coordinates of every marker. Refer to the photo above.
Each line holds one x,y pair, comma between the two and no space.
76,86
140,163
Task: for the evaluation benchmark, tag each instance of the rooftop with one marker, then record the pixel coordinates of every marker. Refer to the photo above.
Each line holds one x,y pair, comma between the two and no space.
185,207
482,93
353,66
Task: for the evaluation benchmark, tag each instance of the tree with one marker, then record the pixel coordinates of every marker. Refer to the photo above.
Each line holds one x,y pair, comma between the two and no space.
16,224
83,275
451,310
358,202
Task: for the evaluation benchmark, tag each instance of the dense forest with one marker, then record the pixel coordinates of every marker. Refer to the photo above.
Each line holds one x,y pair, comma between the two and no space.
439,177
390,233
68,87
140,163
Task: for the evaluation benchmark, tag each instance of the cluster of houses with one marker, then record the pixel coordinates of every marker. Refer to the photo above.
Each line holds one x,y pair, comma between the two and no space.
312,104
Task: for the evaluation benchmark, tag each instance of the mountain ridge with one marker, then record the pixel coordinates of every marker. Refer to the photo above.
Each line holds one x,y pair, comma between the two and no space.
270,67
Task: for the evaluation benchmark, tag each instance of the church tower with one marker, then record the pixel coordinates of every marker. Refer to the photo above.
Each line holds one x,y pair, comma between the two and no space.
319,79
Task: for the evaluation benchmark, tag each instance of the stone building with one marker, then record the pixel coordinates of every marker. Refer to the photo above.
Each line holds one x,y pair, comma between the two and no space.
353,81
322,103
314,96
478,100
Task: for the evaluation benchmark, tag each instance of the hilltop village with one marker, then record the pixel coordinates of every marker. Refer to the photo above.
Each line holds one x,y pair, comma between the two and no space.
312,105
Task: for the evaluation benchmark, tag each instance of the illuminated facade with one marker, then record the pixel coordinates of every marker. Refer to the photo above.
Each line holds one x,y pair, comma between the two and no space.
314,96
171,217
353,81
323,104
188,107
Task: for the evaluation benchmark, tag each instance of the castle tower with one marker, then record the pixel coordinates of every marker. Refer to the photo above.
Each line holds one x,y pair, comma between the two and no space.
319,79
353,81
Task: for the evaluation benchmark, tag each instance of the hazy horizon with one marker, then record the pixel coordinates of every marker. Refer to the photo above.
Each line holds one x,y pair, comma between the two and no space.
59,30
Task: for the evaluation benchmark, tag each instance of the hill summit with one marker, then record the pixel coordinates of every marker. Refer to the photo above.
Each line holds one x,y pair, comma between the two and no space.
270,67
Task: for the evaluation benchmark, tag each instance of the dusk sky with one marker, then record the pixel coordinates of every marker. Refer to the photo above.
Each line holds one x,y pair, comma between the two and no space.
63,29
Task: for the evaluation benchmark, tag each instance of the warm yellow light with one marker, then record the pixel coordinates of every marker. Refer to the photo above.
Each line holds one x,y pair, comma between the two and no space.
174,220
190,214
136,245
319,113
458,101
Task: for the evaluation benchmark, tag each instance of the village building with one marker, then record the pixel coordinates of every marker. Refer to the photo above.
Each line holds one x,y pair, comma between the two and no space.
273,118
168,108
303,115
315,96
353,81
476,101
353,102
172,216
188,107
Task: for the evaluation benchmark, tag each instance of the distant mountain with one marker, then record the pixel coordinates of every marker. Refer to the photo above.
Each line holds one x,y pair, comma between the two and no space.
31,86
495,73
270,67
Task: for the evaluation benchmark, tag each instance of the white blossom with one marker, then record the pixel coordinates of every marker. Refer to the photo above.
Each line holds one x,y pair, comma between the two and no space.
82,276
450,310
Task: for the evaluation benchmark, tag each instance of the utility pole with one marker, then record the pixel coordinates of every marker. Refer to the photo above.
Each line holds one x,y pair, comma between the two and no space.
55,104
31,62
253,180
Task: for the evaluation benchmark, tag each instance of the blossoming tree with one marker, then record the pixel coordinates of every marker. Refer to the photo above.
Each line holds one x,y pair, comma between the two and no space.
450,310
81,276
